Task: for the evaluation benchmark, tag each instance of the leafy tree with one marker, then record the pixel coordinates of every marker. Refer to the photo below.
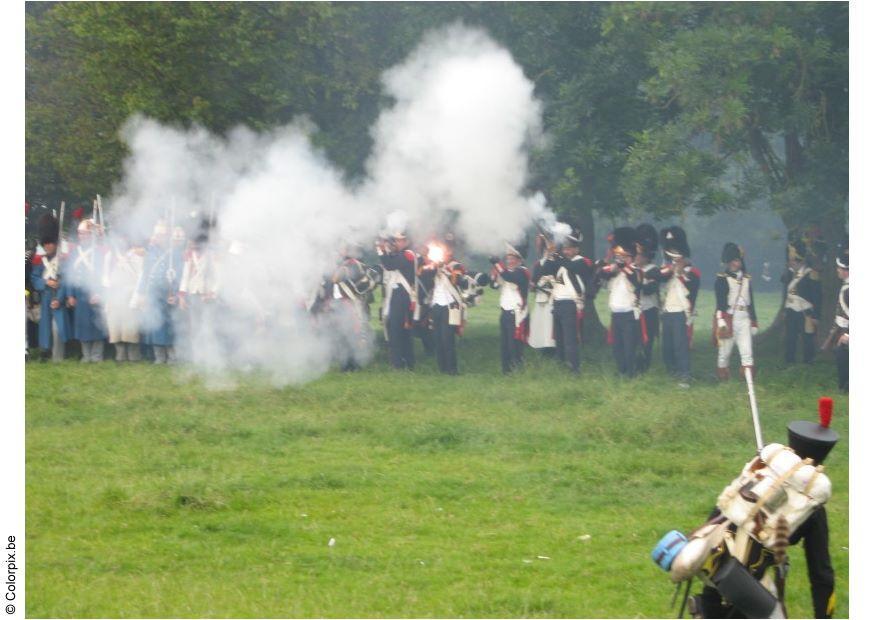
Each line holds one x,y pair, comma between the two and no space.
756,105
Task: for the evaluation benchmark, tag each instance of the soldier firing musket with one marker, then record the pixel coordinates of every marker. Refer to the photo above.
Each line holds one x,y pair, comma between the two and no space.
444,273
573,274
400,301
513,279
646,243
344,297
680,287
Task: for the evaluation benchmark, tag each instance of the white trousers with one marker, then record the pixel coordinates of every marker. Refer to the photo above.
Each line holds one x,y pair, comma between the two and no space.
541,326
741,337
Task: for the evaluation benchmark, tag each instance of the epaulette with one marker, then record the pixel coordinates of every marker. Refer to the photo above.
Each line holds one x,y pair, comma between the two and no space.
695,271
722,275
409,255
37,259
587,261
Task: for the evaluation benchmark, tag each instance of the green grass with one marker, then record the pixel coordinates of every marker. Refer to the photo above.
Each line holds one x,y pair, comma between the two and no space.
149,495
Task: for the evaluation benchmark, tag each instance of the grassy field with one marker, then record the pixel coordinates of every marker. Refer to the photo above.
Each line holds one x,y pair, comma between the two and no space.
535,495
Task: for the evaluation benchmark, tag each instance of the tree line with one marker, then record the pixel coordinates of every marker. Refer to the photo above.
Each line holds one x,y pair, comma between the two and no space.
654,109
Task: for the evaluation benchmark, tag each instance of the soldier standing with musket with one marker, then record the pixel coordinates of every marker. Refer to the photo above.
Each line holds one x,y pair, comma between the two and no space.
839,336
735,320
646,242
802,305
680,286
573,273
198,292
513,280
82,290
160,284
740,553
399,308
54,326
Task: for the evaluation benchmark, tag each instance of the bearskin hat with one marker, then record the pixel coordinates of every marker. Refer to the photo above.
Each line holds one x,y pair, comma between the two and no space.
646,240
48,229
731,252
797,250
674,242
204,228
623,241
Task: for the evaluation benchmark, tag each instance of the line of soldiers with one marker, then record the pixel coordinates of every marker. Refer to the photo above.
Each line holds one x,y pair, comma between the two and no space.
117,290
803,307
426,294
129,294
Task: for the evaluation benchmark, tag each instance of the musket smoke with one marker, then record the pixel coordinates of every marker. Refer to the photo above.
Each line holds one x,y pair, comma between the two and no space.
453,146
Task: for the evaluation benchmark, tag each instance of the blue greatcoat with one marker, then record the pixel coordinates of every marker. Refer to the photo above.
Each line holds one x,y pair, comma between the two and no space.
82,279
60,316
156,288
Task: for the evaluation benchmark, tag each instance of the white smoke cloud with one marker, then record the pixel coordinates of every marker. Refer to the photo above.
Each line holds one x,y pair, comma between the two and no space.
451,149
455,142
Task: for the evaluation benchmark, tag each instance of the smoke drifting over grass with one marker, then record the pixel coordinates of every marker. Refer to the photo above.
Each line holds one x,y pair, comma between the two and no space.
450,151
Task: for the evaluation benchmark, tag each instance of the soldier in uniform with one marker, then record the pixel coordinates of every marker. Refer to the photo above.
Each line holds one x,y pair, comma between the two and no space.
54,325
750,589
442,275
680,287
83,293
424,291
162,272
646,243
541,314
399,309
735,320
346,293
122,274
622,281
802,305
573,273
513,280
198,292
840,335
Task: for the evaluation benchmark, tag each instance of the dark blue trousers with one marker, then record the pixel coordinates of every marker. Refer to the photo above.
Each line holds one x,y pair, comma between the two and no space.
675,344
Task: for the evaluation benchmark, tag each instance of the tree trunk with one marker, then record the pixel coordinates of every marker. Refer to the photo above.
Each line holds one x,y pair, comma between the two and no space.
593,330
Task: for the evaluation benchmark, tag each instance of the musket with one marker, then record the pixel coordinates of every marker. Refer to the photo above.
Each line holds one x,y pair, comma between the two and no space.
831,338
542,232
758,434
100,213
62,249
170,274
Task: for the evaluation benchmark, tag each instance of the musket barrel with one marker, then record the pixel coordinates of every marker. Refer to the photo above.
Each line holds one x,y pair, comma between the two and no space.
758,434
